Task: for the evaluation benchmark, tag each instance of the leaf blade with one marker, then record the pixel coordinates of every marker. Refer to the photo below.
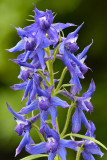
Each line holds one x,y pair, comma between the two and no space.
31,157
89,138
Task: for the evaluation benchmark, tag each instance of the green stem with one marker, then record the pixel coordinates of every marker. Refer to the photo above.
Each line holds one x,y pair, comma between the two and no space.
85,137
51,73
56,50
57,124
79,152
32,113
61,79
50,66
37,129
67,120
57,157
41,74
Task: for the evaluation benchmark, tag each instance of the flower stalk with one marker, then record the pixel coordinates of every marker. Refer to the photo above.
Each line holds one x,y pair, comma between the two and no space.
67,119
38,83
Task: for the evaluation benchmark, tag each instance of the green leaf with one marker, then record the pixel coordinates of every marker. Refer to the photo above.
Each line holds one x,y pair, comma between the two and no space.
67,85
49,121
44,77
79,151
56,72
34,156
31,16
55,93
86,137
56,50
38,131
30,20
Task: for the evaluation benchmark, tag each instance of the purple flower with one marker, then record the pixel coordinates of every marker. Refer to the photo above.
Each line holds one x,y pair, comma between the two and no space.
90,147
32,82
43,26
28,43
69,46
54,145
81,70
22,128
46,104
75,65
83,103
76,70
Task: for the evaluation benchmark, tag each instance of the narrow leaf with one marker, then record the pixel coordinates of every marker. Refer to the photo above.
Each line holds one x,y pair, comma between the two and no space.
49,121
44,77
86,137
56,50
34,156
67,85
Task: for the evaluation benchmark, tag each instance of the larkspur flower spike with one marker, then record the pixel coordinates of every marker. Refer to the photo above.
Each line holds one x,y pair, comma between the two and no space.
41,92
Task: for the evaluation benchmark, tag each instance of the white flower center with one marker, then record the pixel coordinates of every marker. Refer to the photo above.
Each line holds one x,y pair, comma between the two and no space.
43,18
51,139
42,98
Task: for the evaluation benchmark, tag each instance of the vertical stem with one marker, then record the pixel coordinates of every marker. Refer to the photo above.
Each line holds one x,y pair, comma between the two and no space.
79,151
32,113
50,66
57,157
57,124
61,79
67,120
37,129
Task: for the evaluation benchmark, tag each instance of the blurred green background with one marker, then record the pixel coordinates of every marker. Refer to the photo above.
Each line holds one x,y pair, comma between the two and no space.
94,14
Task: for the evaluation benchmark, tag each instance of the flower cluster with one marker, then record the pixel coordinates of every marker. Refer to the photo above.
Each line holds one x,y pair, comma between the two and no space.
41,92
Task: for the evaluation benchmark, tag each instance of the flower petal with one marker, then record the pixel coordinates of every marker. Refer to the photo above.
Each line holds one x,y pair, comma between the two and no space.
51,133
35,118
28,87
87,156
89,106
93,149
36,149
40,35
61,26
61,48
41,53
33,92
53,112
76,120
50,16
90,90
62,153
76,88
67,63
90,132
74,34
38,13
23,142
21,117
19,47
51,156
82,54
55,101
19,86
27,56
69,144
29,108
43,118
68,95
85,121
53,35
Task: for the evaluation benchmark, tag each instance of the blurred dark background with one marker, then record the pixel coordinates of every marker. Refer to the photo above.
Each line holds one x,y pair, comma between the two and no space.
94,14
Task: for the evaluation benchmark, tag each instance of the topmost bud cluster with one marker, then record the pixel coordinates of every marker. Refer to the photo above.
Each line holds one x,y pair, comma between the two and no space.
39,85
